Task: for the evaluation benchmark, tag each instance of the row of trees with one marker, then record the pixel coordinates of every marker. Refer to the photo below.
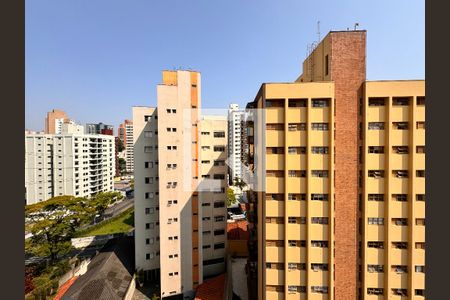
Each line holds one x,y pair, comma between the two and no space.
53,223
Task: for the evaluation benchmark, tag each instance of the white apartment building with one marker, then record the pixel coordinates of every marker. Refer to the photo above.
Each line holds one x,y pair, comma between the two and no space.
68,164
235,117
129,147
180,231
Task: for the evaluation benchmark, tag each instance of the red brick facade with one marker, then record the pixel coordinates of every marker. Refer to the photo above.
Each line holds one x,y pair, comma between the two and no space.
348,71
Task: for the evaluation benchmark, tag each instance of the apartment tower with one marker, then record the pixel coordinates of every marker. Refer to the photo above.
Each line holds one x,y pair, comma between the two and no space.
125,134
339,167
169,205
54,120
235,141
70,163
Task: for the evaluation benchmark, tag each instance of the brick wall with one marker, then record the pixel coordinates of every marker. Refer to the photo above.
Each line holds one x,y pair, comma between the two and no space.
348,71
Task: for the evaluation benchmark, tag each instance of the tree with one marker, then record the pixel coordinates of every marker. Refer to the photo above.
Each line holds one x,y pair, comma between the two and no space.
101,201
239,183
120,146
53,223
122,165
231,197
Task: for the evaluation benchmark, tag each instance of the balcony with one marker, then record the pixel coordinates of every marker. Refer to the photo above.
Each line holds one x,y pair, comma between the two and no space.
275,254
275,162
321,114
274,185
274,208
296,232
400,113
274,138
296,254
376,113
296,185
274,277
320,138
296,138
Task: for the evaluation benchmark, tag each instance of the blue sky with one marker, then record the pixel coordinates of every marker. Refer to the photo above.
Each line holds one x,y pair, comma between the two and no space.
96,59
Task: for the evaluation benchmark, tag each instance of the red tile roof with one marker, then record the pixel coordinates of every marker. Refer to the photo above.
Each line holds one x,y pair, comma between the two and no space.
237,230
63,289
211,289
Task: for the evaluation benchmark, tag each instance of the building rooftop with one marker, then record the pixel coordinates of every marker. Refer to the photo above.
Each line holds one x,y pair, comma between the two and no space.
212,289
109,273
237,230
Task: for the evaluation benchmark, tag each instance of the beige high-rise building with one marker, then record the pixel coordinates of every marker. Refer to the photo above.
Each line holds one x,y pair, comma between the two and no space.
54,121
172,215
339,169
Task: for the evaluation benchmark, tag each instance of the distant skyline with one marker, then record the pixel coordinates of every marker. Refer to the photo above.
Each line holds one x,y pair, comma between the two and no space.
97,59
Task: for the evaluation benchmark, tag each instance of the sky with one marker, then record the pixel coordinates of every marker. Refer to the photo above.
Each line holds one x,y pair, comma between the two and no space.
97,59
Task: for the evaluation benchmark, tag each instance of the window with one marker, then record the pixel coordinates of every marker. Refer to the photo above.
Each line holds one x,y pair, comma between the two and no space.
420,100
376,173
400,245
148,134
147,118
420,149
376,149
219,134
219,246
376,125
296,289
319,220
296,173
400,292
274,126
274,243
219,148
319,244
275,173
319,289
219,218
296,266
149,195
319,126
376,197
420,269
149,210
319,173
275,220
419,292
219,204
400,101
147,225
148,149
205,132
293,243
275,197
327,62
376,101
297,126
420,173
400,221
274,102
375,221
375,291
147,256
400,149
375,268
400,197
420,222
275,150
420,245
420,197
219,176
297,197
219,232
171,129
319,197
320,102
297,102
400,173
319,150
319,267
400,125
296,150
219,163
375,244
171,147
275,288
148,180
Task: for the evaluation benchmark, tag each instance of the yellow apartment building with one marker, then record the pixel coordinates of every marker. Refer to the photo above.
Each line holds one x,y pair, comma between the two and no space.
339,192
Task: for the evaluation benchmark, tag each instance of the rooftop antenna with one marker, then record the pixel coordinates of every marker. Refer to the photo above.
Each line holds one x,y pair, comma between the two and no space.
318,31
356,25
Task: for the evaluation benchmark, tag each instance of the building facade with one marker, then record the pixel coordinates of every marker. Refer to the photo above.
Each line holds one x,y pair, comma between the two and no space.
99,128
67,164
235,132
54,120
170,227
338,167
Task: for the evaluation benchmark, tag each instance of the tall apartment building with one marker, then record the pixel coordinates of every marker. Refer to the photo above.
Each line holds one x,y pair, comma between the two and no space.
99,128
125,134
54,120
179,227
235,131
339,171
67,164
